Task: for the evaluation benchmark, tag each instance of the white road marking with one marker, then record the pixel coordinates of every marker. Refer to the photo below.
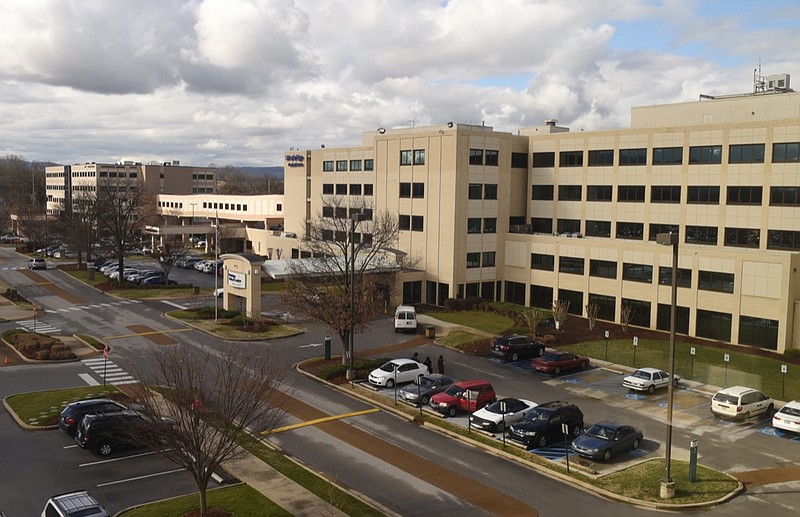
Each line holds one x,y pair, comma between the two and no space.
88,379
138,478
174,304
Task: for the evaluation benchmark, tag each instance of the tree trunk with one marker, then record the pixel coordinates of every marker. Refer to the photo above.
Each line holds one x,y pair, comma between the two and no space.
345,337
203,502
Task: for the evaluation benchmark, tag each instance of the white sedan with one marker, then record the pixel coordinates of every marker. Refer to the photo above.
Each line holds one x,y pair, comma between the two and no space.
648,379
495,417
397,371
788,417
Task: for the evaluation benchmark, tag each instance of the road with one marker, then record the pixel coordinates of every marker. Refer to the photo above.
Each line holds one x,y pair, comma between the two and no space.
425,472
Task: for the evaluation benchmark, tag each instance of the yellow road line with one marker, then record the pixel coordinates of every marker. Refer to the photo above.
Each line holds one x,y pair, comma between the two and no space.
320,421
147,333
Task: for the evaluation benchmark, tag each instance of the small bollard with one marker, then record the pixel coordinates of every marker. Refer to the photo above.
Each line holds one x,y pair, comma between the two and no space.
693,461
327,348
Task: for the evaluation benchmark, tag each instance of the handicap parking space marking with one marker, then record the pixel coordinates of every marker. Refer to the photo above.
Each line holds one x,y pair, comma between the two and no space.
573,380
771,431
635,396
795,439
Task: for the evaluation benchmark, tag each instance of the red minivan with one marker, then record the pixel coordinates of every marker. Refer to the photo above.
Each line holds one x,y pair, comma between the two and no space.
467,396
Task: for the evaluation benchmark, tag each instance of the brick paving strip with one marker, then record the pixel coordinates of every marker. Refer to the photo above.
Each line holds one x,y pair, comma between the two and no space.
52,288
151,335
467,489
752,478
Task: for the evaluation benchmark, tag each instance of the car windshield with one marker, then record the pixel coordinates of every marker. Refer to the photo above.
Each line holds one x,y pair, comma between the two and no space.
388,367
641,374
537,415
550,356
600,431
426,382
726,398
495,407
791,411
455,391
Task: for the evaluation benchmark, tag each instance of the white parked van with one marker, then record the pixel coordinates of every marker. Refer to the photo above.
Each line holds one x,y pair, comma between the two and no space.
405,319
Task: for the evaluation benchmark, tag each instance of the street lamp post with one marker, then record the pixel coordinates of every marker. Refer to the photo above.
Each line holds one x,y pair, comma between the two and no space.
354,218
216,266
670,239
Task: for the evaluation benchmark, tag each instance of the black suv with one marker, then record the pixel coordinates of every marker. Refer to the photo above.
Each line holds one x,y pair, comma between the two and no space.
542,424
72,415
513,347
104,433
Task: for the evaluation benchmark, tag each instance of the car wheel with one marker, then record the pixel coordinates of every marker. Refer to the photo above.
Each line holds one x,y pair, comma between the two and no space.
425,400
770,409
514,356
557,370
607,455
390,383
576,430
541,441
501,427
584,365
635,444
104,449
747,416
651,389
451,411
541,352
675,383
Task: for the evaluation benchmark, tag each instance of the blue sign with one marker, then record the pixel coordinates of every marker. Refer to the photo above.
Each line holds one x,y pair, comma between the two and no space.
295,160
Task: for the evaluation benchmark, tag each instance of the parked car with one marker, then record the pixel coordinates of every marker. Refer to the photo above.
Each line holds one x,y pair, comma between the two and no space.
740,402
211,266
62,254
73,413
542,424
157,280
134,275
557,361
420,392
188,262
605,439
201,264
397,370
37,263
200,244
515,347
104,433
649,380
74,504
134,251
496,416
788,417
463,396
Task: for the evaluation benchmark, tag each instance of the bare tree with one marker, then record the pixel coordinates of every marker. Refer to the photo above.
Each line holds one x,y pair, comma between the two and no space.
77,225
560,312
121,206
338,243
33,225
170,253
206,402
626,314
533,317
592,310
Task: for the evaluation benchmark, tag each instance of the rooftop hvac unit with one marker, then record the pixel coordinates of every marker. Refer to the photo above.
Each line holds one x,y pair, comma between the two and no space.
778,82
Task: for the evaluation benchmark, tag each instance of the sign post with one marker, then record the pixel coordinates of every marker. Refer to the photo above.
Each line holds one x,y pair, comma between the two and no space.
693,461
635,344
784,369
105,363
726,358
503,409
692,352
606,335
565,430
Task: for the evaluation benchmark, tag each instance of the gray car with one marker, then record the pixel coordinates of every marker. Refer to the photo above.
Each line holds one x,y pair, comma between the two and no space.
422,390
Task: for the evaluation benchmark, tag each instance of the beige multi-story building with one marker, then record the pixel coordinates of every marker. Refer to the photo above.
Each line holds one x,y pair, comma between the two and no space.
548,214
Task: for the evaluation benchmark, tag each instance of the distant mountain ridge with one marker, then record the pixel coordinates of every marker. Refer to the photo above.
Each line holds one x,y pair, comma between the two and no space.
274,171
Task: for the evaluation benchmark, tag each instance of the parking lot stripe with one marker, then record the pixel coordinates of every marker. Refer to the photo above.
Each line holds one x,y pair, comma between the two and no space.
138,478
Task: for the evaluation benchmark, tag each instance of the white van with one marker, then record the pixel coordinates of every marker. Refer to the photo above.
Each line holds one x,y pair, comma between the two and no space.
405,319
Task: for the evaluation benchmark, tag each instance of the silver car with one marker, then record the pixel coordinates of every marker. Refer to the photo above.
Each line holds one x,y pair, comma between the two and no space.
421,390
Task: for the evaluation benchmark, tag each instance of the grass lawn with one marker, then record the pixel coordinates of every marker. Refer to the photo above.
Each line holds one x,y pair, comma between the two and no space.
222,329
706,366
458,337
485,321
239,500
38,407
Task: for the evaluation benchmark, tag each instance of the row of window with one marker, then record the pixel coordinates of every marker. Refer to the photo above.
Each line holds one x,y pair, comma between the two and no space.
489,157
703,195
343,189
412,190
367,165
170,204
414,223
335,236
342,212
485,225
208,205
115,174
202,190
412,157
482,191
481,259
199,176
704,154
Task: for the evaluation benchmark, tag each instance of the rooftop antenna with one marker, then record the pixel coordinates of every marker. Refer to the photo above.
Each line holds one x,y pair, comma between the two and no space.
759,83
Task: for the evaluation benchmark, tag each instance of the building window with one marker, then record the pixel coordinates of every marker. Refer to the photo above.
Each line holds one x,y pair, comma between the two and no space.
663,312
327,166
637,273
684,276
543,262
418,190
473,260
786,152
327,188
341,165
541,225
667,155
714,325
569,192
630,193
541,297
341,189
598,228
369,164
355,189
746,153
368,189
476,156
715,281
742,237
340,212
703,195
665,194
327,211
417,223
607,305
705,154
404,222
632,157
419,157
542,192
519,160
569,226
474,225
598,192
490,191
784,196
492,158
701,235
640,312
405,190
656,228
760,332
744,195
630,231
603,268
571,265
355,165
575,300
488,259
475,191
783,240
601,158
548,159
406,157
515,293
567,159
490,225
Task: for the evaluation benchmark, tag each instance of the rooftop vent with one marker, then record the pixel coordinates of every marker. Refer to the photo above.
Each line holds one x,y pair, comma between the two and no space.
551,122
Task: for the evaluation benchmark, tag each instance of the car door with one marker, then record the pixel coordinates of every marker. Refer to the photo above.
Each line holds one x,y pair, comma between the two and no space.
660,379
622,439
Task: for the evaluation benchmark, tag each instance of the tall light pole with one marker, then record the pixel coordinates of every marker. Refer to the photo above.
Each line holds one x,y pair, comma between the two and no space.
354,218
216,265
670,239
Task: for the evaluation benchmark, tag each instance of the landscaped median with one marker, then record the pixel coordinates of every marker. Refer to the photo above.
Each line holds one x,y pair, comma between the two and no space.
638,485
232,325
